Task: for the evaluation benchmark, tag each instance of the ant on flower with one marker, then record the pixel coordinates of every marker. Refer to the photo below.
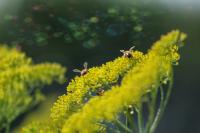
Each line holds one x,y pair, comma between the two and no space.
128,52
69,92
100,92
84,71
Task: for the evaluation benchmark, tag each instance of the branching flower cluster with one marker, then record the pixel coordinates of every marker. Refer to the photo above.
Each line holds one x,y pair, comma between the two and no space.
21,82
127,82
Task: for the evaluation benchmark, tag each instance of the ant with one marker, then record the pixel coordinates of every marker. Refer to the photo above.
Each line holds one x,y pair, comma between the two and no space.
69,92
100,92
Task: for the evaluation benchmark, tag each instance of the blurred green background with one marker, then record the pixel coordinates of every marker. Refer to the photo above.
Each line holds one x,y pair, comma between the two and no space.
73,31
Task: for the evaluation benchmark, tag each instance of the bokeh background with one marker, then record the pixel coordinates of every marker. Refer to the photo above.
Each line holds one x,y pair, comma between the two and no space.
73,31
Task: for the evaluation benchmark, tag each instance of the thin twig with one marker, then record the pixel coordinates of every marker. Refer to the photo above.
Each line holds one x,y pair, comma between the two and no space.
151,108
140,119
131,121
123,126
163,105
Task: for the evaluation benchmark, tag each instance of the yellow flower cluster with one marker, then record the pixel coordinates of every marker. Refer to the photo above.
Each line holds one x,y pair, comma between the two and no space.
13,59
107,74
140,75
44,127
155,66
96,77
21,81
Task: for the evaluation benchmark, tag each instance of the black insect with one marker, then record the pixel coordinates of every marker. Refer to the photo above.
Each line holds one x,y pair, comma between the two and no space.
84,71
127,53
100,92
69,92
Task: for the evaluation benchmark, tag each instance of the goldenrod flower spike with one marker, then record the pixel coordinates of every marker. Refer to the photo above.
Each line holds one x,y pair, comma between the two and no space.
11,58
20,83
44,127
155,66
95,78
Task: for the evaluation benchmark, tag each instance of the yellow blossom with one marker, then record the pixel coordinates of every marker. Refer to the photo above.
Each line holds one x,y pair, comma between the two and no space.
155,66
96,77
21,81
11,58
71,114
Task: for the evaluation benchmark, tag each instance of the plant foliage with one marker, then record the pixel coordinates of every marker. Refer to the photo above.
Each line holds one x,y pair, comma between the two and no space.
21,82
129,83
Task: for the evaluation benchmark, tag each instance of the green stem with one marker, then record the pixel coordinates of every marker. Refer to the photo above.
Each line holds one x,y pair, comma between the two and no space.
123,126
7,128
131,121
163,105
151,108
140,119
158,115
126,122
